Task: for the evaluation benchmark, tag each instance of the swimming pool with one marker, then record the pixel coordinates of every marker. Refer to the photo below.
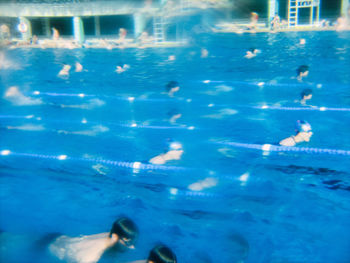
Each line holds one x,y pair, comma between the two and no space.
70,157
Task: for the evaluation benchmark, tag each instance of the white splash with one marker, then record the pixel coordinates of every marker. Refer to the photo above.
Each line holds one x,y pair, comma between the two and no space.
16,97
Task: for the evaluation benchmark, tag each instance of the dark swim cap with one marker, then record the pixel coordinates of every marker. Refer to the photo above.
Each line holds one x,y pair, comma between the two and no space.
306,92
172,84
303,126
126,231
302,69
161,254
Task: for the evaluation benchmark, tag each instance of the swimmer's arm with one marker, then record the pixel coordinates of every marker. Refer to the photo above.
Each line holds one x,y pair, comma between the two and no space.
307,136
159,159
173,155
288,142
163,158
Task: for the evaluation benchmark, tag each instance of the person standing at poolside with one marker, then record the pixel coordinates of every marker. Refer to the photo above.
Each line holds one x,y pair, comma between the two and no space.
55,34
275,23
89,249
253,21
122,36
5,32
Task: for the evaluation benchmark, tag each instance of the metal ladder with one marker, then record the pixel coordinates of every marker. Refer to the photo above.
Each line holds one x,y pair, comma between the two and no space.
158,29
292,13
293,7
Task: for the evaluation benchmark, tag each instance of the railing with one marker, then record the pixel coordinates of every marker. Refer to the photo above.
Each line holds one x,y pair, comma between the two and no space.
51,8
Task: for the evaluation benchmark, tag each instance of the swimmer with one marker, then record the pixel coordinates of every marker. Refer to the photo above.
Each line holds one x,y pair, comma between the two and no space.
306,95
203,184
65,70
174,152
89,249
302,71
120,69
171,58
204,53
172,87
159,254
174,115
78,67
252,52
302,41
303,134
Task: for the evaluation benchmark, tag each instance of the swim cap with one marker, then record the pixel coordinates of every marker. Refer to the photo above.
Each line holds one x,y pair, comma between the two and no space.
172,84
161,254
126,231
303,126
173,112
306,92
302,69
175,146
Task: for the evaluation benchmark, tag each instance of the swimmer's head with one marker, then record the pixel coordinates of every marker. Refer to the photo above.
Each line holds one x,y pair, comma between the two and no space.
306,94
303,71
172,86
175,146
253,50
303,126
254,14
126,230
161,254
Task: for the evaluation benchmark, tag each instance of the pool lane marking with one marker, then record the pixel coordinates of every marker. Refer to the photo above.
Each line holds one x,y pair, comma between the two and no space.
83,95
173,191
261,83
306,108
85,121
276,148
132,99
63,157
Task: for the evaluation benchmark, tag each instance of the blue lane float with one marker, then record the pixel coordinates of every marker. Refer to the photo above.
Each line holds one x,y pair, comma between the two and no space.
63,157
276,148
124,98
305,108
176,192
132,99
261,83
84,121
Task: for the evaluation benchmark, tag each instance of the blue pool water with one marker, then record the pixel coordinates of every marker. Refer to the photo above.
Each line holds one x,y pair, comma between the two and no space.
258,207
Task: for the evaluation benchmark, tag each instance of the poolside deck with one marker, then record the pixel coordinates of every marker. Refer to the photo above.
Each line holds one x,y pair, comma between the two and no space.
94,43
261,28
